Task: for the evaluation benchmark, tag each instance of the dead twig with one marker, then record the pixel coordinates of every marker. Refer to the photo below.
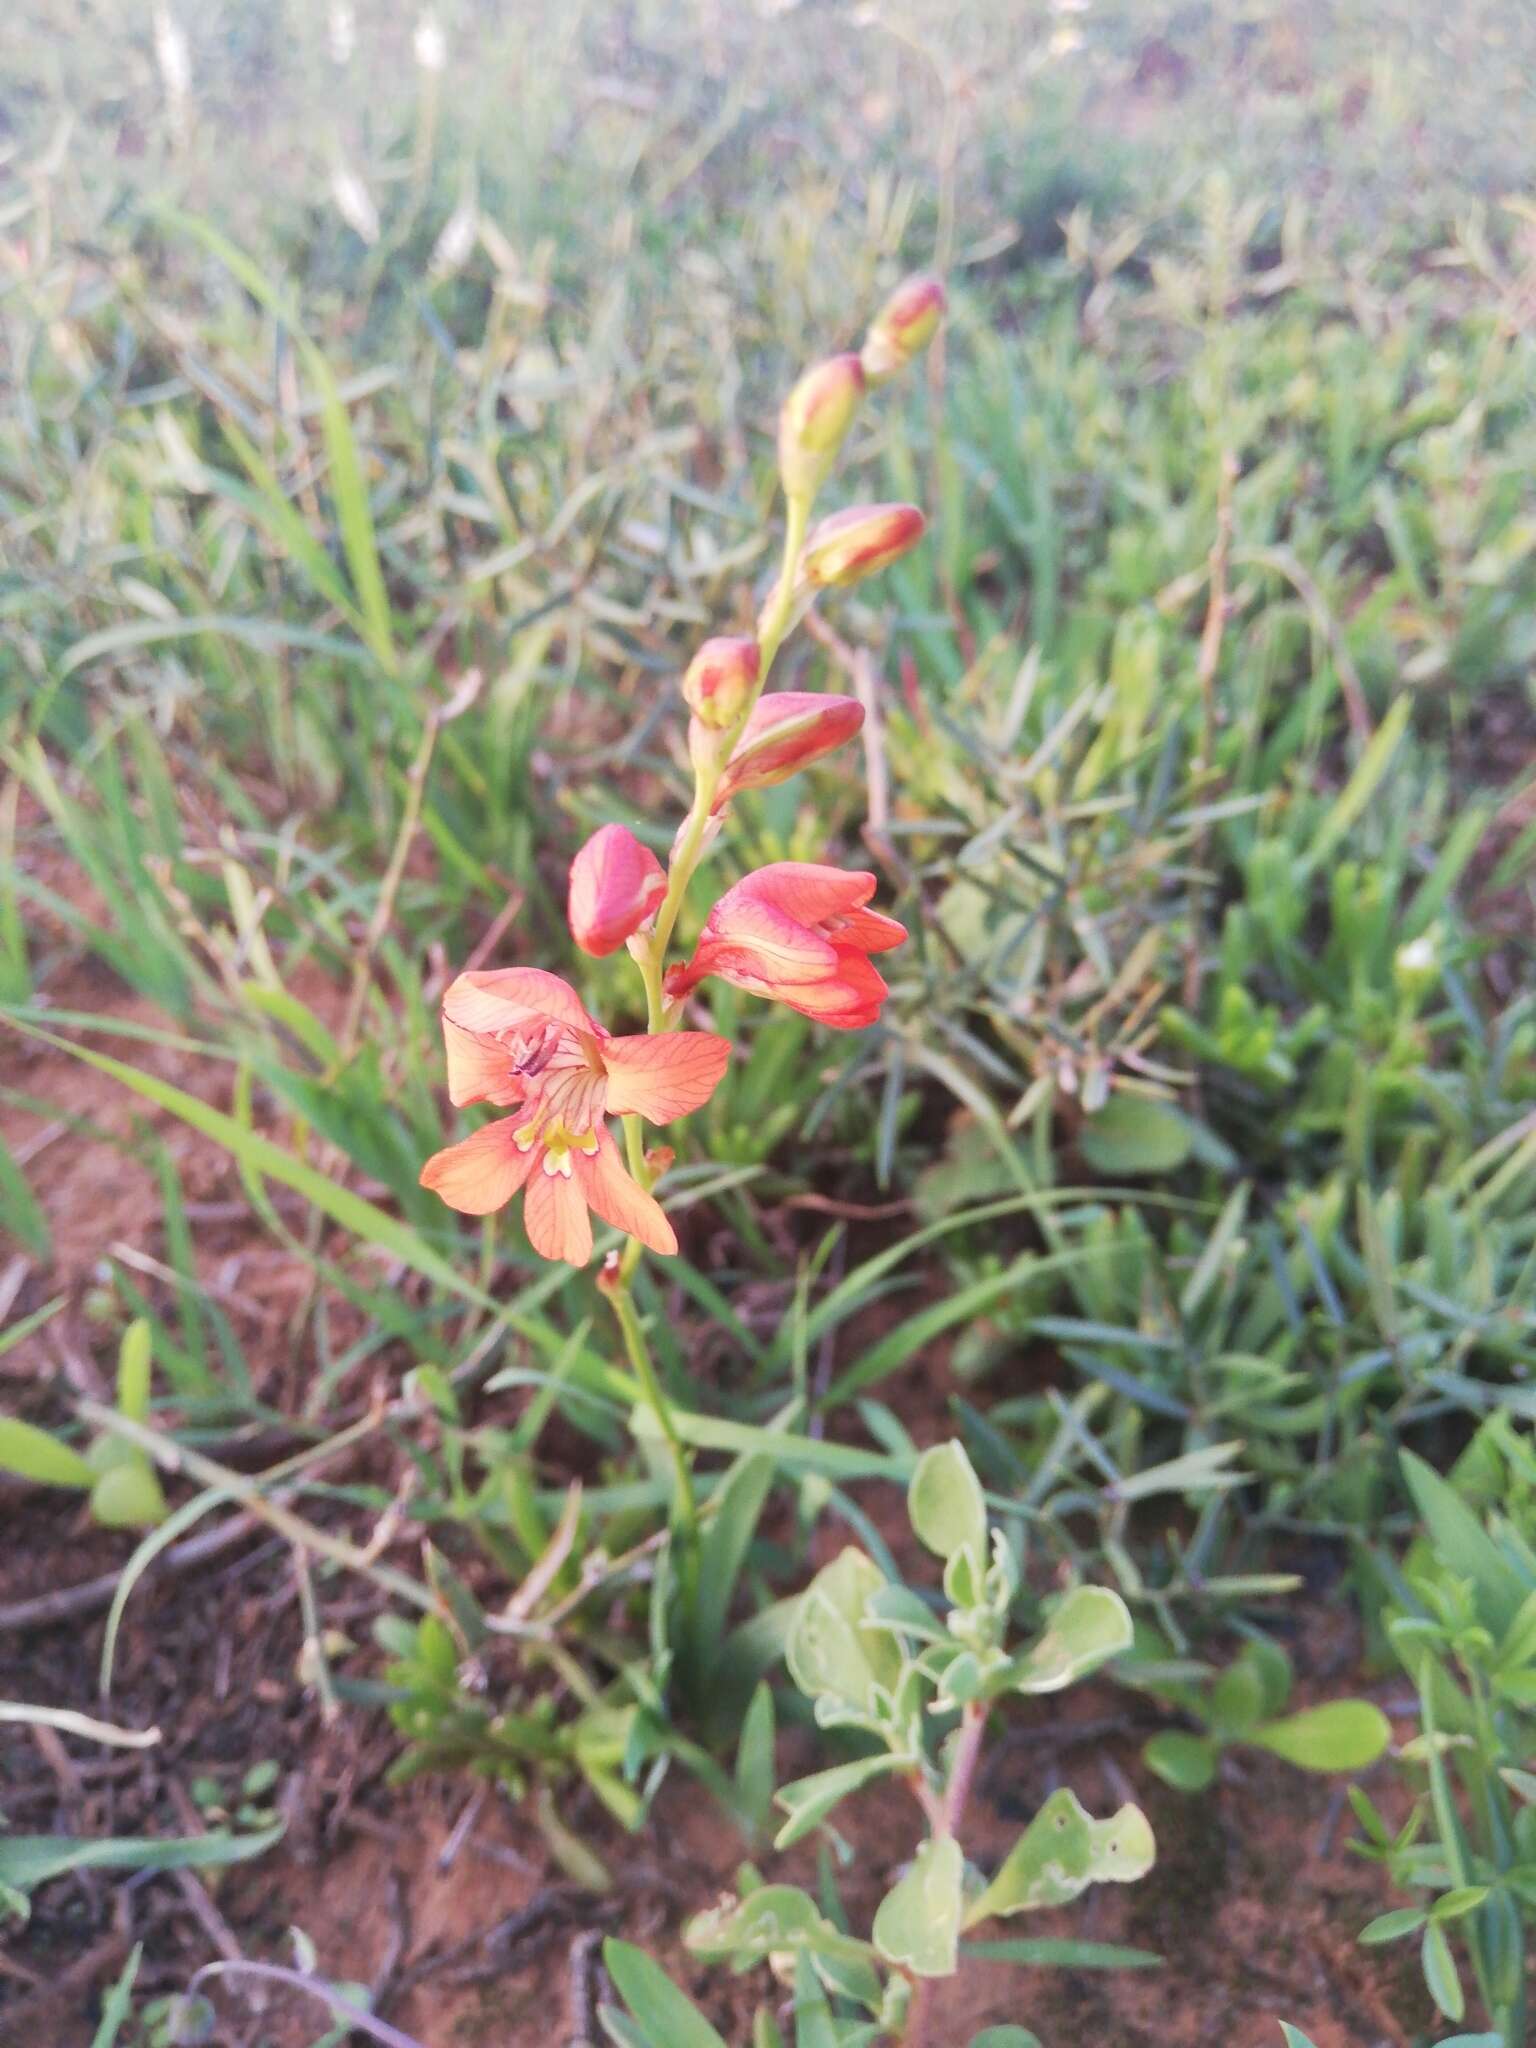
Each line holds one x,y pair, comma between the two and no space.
582,1981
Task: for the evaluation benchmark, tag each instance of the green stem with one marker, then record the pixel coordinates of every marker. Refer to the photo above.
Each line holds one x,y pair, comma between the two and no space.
948,1821
685,1507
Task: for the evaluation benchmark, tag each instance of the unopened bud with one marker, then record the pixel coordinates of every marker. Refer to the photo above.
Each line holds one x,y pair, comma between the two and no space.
850,545
903,327
708,749
610,1277
719,682
1416,965
659,1159
814,422
616,885
785,733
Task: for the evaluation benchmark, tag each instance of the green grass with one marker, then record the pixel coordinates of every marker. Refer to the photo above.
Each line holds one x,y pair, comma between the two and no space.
1208,1074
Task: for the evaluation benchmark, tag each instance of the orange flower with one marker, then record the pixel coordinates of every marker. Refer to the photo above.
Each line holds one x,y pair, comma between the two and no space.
521,1037
616,884
784,734
798,934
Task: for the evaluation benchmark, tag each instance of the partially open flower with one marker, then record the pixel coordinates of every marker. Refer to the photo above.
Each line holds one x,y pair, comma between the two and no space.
785,733
616,884
858,542
814,421
719,681
903,327
798,934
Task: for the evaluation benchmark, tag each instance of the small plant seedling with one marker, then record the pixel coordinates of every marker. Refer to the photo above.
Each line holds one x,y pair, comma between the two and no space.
914,1682
118,1479
1244,1705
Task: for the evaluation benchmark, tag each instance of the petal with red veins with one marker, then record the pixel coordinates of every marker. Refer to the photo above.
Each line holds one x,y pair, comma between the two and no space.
620,1200
513,999
768,939
479,1069
555,1216
871,931
481,1174
661,1077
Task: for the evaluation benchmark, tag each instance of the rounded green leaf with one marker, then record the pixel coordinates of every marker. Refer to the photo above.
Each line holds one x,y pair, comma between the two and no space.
917,1926
1131,1134
1237,1699
128,1497
1273,1668
1083,1630
1186,1762
809,1800
1006,2037
832,1652
1061,1853
946,1506
1345,1735
774,1918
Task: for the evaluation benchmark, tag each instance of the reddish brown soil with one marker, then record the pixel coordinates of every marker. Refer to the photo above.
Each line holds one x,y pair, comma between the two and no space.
1254,1901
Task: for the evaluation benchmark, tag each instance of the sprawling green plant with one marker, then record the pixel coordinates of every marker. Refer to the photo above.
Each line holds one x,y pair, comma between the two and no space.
912,1684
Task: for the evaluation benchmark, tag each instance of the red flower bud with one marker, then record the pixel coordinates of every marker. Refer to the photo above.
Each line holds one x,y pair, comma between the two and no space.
816,416
903,327
785,733
850,545
719,682
616,884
